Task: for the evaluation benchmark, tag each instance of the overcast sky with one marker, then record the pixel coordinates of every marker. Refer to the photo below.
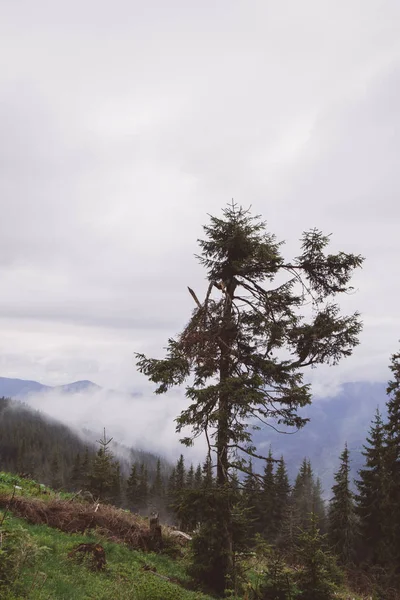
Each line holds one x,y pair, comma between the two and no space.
123,123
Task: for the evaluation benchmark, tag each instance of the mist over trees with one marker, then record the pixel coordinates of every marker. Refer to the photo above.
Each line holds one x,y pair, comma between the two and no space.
50,452
351,530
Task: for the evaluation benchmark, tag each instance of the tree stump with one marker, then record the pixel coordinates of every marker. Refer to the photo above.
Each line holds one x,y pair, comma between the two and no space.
155,532
94,551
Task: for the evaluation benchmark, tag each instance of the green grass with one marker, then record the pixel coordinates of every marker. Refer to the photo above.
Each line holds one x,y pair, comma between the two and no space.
28,487
56,576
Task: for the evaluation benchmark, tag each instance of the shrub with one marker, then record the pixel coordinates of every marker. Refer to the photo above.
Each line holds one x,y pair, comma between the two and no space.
319,575
18,551
277,583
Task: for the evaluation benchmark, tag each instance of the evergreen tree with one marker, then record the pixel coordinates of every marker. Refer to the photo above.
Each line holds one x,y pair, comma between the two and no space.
171,488
157,488
251,500
198,477
289,530
132,489
392,465
318,577
102,474
116,485
277,581
303,496
208,479
318,506
180,476
189,507
179,486
282,499
233,346
143,487
76,473
342,522
21,456
370,500
189,483
86,469
28,442
235,484
56,479
268,501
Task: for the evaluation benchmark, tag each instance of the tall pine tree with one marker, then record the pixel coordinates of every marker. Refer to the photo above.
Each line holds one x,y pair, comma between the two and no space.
208,479
251,500
171,489
189,484
318,506
56,476
180,476
198,477
282,500
342,521
316,580
157,487
143,487
76,473
102,473
132,489
370,500
303,496
86,469
247,344
268,501
392,464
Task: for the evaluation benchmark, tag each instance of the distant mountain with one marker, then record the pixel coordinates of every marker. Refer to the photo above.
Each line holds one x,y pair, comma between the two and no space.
78,386
13,388
334,421
21,388
32,442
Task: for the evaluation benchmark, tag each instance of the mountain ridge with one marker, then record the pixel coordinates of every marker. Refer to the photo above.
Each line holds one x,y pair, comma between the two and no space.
16,388
334,420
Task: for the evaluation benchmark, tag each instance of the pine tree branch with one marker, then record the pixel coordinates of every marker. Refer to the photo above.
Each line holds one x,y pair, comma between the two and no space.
195,298
252,454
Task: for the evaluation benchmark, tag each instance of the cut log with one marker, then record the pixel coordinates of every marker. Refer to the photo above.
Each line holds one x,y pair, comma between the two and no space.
181,536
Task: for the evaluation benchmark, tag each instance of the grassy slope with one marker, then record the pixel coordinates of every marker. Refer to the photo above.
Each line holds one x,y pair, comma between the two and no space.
123,579
54,576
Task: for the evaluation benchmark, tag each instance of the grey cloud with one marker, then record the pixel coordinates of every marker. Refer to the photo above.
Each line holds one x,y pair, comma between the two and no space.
147,423
80,314
123,126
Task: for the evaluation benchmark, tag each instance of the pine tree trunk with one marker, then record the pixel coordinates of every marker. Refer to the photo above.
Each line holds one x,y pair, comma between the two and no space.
225,523
222,490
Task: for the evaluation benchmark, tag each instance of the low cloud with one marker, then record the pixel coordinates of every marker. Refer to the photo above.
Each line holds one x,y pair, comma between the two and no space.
141,422
112,153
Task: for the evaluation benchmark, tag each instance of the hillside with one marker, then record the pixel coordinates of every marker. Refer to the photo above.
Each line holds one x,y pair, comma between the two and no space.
34,443
15,388
21,388
45,561
62,547
334,420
